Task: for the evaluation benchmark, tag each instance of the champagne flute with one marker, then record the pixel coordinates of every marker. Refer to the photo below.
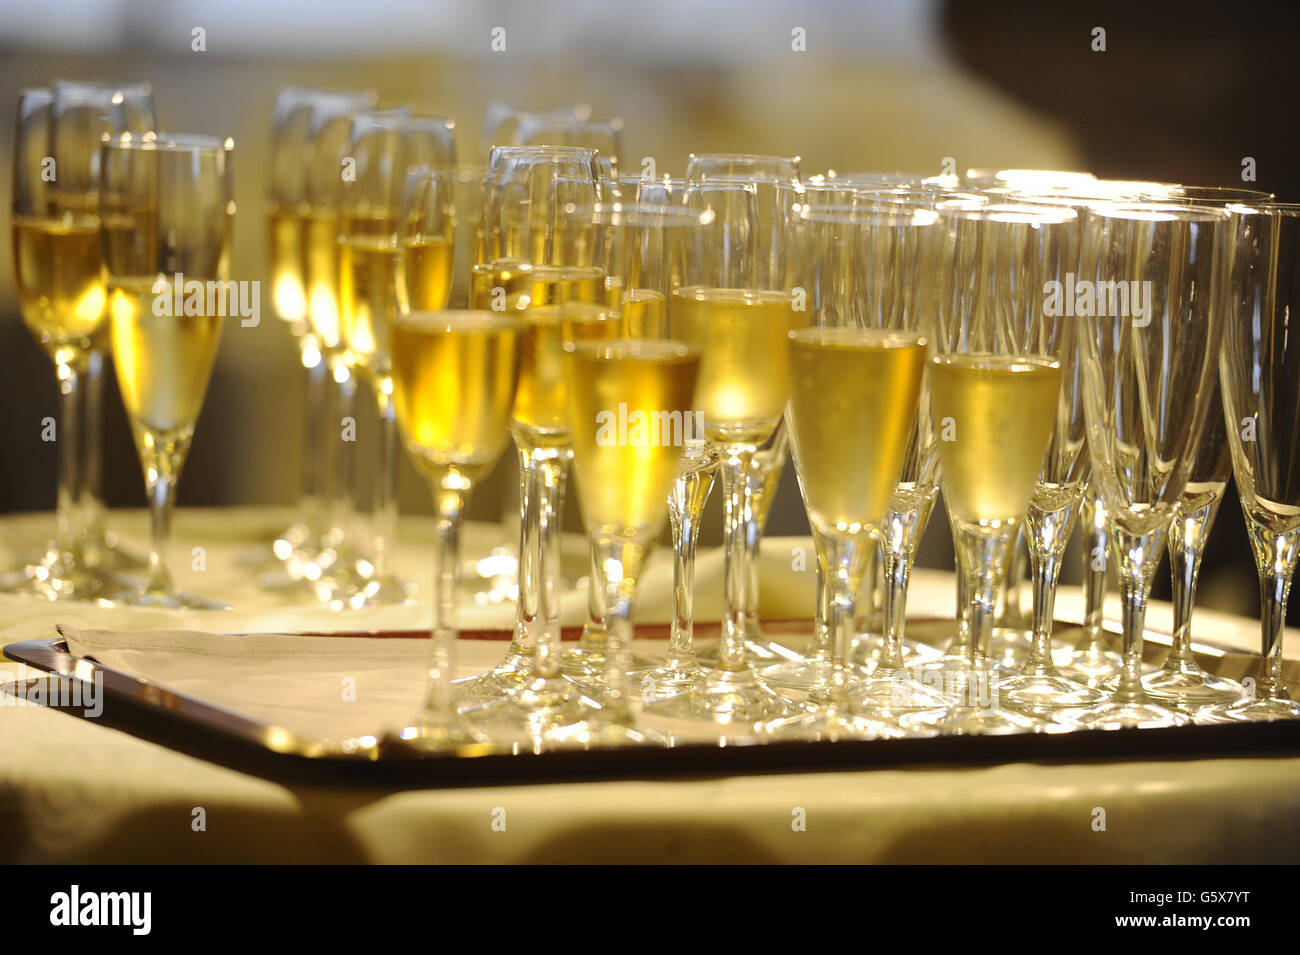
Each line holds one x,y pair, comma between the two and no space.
329,127
386,146
531,265
995,386
62,297
288,224
629,406
851,415
1147,361
1092,662
778,192
739,325
1181,679
455,374
167,201
1258,374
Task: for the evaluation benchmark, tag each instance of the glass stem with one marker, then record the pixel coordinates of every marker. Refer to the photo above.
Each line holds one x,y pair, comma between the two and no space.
552,479
66,517
341,504
844,564
162,471
982,553
621,561
1276,573
593,634
819,648
740,530
1092,518
685,531
1187,534
1048,532
449,496
1138,554
315,458
91,504
903,530
384,503
528,606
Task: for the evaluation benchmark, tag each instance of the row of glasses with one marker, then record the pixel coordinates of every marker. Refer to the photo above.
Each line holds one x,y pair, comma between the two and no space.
58,273
165,201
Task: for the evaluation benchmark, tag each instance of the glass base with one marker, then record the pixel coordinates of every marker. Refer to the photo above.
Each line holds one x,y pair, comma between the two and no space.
598,732
828,725
1115,716
538,708
173,598
54,579
1264,710
433,734
664,682
355,592
1008,646
760,651
728,697
588,664
1191,688
1091,668
895,692
868,648
1042,694
974,721
808,676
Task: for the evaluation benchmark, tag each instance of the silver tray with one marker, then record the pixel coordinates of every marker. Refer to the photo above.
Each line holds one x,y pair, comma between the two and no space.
209,731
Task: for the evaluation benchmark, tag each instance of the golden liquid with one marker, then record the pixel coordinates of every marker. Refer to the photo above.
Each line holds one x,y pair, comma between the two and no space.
454,379
426,271
163,362
320,242
288,279
993,415
645,312
625,474
526,286
745,372
541,405
367,298
851,414
59,268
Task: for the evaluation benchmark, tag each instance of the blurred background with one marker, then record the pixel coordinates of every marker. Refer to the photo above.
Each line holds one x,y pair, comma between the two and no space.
1182,92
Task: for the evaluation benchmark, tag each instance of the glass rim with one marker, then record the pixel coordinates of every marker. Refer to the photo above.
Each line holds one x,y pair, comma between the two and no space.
1158,211
630,214
867,216
1008,212
447,318
168,142
1263,208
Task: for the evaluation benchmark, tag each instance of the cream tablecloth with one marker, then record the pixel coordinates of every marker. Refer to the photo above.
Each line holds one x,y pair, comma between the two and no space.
73,790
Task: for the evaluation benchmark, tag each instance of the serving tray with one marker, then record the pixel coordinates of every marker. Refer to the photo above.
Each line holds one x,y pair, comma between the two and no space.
204,729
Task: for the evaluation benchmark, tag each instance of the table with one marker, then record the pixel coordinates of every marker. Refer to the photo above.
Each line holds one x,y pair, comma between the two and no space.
75,791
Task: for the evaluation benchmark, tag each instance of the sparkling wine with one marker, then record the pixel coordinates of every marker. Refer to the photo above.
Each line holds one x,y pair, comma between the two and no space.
454,379
524,285
58,265
288,282
993,415
645,312
164,362
321,250
629,404
425,273
745,368
540,405
851,415
367,298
